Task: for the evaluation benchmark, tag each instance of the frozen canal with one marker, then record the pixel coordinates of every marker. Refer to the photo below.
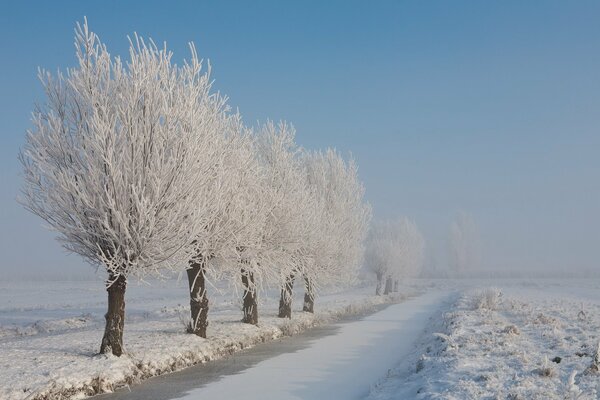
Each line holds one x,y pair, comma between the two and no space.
339,361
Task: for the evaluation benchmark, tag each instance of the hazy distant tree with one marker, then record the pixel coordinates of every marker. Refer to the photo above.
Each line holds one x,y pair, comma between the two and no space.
431,266
116,162
463,244
410,247
379,252
394,251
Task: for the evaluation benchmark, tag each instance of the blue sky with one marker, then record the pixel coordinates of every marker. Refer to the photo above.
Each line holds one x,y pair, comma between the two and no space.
487,107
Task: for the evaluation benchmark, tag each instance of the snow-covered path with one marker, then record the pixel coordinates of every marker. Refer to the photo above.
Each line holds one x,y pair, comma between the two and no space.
340,365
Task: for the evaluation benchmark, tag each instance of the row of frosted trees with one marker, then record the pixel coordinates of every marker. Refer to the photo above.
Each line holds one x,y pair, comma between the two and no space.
395,250
141,168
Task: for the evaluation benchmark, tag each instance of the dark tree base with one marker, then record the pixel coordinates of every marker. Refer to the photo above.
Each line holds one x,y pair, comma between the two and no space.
198,299
309,297
379,288
250,305
388,286
285,302
112,341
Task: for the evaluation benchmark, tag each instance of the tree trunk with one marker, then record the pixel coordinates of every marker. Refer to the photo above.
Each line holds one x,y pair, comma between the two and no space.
112,341
285,302
395,286
388,286
379,288
250,307
309,297
198,298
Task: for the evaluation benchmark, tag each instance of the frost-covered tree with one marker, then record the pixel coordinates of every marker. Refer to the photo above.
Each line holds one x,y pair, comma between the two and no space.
290,219
336,247
117,160
394,250
379,252
463,244
410,252
233,214
256,258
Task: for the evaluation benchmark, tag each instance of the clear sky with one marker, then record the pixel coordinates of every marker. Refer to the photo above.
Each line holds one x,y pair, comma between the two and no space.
488,107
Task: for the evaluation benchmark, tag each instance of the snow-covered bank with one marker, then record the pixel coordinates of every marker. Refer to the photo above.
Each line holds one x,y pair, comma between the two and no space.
340,363
518,342
63,363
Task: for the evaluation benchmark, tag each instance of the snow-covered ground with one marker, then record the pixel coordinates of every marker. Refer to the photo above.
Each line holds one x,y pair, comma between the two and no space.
531,340
50,333
524,340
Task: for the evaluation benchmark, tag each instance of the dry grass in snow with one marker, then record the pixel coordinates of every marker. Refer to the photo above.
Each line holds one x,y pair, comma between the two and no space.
517,345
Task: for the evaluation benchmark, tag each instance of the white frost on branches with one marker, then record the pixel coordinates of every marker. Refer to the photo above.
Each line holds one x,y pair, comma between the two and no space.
343,217
120,156
140,168
288,202
232,209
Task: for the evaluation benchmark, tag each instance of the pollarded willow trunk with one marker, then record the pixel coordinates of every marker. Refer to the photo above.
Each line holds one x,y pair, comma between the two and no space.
112,341
379,288
388,286
250,305
198,297
285,302
309,297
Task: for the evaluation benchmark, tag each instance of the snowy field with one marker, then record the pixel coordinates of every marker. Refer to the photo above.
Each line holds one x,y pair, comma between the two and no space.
482,340
528,340
50,333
